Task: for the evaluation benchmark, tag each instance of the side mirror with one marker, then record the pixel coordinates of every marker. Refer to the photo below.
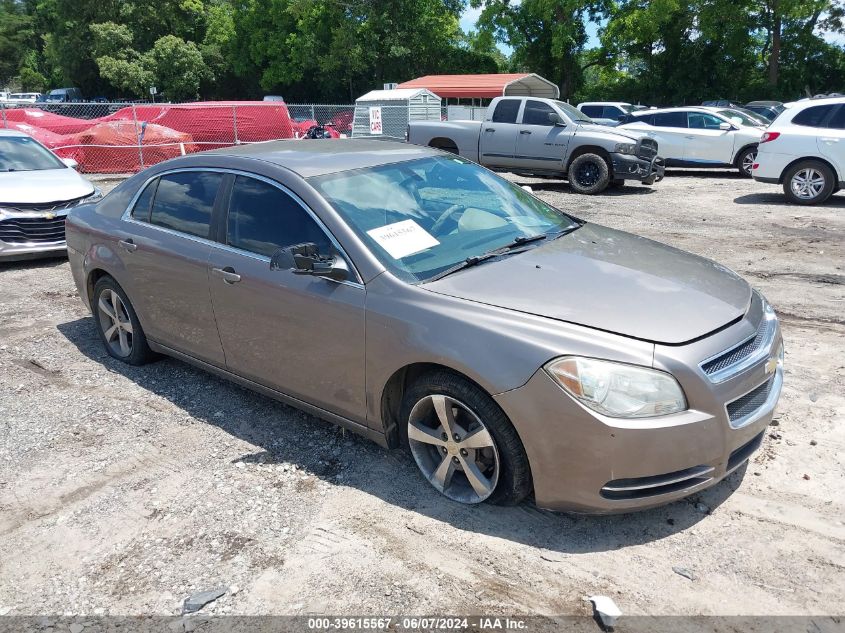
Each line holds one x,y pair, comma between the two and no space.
305,259
70,163
554,119
724,125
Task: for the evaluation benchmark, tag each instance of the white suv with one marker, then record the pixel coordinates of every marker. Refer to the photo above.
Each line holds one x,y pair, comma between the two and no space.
804,149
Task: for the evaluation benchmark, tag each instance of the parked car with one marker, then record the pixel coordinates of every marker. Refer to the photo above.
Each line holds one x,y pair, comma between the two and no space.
534,136
30,97
4,95
720,103
697,137
804,150
768,109
37,189
606,112
64,95
423,301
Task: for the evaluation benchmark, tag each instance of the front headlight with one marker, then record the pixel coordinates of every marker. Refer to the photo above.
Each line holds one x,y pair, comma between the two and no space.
625,148
618,390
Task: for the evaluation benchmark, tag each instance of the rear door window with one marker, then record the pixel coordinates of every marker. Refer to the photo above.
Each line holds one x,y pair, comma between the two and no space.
506,111
262,219
184,201
141,210
837,121
670,119
814,116
592,111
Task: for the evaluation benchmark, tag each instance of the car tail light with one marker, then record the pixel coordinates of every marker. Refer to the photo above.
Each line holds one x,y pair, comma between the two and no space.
769,136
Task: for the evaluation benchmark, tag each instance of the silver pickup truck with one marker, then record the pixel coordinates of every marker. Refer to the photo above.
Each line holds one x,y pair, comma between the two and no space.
545,137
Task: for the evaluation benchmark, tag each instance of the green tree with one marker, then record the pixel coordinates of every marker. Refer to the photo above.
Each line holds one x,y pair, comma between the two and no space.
178,67
548,36
16,32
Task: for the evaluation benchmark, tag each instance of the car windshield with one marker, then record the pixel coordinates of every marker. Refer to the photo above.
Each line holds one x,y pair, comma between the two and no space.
426,216
738,116
573,113
21,153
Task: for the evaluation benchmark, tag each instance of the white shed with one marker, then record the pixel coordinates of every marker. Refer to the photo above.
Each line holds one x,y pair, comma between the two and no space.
387,112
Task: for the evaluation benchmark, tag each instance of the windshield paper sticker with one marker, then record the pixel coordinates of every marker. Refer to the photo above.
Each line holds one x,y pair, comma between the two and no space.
403,238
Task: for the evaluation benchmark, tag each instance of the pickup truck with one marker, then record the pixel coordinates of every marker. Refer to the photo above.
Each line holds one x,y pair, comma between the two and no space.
544,137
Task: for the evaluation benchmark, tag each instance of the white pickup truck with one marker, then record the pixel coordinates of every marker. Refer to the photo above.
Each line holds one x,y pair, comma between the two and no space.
545,137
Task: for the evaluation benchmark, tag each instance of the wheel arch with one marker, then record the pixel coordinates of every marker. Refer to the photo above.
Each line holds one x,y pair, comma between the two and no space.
94,275
394,391
836,175
590,149
444,143
741,150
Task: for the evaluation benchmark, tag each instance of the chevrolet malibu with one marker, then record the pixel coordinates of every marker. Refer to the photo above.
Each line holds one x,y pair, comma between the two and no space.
37,189
423,301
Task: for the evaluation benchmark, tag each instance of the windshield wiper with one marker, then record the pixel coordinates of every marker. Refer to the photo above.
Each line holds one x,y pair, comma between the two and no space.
477,259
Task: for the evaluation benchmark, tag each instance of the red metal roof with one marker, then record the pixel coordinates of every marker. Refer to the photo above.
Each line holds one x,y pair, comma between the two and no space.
474,86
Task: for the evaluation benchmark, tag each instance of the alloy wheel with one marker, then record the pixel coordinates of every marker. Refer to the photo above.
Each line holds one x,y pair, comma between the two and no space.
453,448
115,323
588,174
807,183
748,162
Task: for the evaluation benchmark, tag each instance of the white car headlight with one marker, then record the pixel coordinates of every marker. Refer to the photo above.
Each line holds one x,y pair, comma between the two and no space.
625,148
618,390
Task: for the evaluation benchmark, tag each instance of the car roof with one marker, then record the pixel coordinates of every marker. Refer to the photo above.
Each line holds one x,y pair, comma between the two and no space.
676,109
317,157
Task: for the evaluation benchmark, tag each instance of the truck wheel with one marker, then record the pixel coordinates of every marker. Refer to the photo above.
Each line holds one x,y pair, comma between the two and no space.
589,174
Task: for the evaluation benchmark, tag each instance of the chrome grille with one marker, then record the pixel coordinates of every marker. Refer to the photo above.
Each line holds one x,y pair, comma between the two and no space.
733,356
647,148
750,402
41,207
38,230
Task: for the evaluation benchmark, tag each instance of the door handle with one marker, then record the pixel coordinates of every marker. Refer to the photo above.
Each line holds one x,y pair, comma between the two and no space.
525,131
692,138
489,129
228,274
129,245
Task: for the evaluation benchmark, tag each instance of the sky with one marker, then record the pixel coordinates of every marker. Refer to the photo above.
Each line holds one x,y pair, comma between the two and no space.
470,17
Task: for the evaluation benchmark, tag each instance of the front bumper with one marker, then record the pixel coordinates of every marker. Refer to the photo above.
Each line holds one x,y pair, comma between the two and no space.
585,462
29,250
31,235
628,167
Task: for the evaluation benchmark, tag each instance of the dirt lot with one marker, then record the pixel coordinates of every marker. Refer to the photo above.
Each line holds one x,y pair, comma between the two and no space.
123,490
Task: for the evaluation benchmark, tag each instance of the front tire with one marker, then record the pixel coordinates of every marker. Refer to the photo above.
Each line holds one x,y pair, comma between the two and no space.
118,325
808,182
589,174
462,442
745,161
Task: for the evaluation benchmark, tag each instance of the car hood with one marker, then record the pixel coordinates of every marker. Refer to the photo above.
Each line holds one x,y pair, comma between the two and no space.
614,133
612,281
44,185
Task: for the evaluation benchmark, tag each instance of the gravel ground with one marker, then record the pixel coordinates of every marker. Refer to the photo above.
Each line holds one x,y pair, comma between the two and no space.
123,490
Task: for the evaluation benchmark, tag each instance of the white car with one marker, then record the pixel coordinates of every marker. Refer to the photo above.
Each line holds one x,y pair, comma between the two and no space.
606,112
804,150
37,189
697,137
28,97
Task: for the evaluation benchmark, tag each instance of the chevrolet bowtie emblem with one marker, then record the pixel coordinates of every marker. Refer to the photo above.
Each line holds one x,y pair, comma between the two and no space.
49,215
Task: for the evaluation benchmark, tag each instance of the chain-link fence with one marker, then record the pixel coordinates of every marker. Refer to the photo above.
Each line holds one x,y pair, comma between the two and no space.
127,137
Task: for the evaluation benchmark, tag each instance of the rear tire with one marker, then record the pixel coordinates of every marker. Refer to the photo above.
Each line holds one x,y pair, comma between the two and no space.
471,413
808,182
117,324
589,174
745,161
